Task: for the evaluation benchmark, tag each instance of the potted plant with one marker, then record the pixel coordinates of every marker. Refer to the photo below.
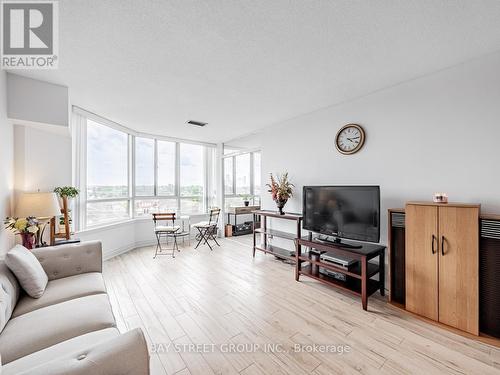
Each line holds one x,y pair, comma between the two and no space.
281,190
26,227
65,193
246,200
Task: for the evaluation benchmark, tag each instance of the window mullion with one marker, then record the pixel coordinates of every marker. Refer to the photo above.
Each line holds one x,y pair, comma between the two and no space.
178,174
234,175
251,175
131,175
155,188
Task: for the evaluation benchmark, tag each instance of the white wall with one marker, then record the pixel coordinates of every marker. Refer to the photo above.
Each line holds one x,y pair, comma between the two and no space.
6,166
43,157
37,101
439,133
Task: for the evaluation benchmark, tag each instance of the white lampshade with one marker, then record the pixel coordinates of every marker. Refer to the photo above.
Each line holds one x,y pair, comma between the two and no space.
41,205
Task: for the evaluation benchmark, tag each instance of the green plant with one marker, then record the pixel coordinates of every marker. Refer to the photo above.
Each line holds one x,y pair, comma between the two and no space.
66,191
280,188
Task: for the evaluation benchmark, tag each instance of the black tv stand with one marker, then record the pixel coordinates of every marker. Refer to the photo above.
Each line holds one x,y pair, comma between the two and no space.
338,242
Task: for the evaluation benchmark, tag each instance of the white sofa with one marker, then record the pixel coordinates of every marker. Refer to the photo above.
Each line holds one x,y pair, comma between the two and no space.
71,328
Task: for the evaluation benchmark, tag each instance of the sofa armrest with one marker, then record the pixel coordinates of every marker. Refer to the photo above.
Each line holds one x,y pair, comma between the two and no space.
69,260
124,354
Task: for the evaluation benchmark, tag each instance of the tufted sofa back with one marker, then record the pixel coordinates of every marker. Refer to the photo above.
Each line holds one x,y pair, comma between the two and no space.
9,294
62,261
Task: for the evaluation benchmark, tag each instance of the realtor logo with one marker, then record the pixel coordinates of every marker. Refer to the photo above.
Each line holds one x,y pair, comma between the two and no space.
29,35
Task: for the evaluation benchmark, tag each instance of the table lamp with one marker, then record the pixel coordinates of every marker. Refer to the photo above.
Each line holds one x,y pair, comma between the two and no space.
43,206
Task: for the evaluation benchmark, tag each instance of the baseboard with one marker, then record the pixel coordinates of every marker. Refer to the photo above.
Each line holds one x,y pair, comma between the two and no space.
125,249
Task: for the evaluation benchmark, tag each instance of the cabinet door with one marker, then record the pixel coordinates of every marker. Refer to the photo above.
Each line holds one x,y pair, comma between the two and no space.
458,268
422,260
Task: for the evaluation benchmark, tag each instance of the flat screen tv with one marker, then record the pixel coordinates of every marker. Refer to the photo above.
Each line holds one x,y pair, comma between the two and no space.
351,212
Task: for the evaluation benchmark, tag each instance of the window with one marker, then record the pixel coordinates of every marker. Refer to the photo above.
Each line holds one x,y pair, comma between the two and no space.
107,162
243,174
145,207
256,173
166,168
242,179
228,176
127,176
144,167
107,174
191,178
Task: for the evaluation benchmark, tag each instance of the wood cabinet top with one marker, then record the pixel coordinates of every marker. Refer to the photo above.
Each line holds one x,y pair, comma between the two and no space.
450,204
240,210
287,215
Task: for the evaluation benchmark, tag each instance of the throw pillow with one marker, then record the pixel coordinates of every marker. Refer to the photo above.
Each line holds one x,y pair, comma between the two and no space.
28,270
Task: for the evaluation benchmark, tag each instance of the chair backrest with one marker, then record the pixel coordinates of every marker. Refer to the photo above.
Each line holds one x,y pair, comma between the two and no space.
214,216
165,216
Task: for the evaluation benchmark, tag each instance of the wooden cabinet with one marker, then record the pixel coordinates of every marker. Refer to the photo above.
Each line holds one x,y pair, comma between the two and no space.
442,242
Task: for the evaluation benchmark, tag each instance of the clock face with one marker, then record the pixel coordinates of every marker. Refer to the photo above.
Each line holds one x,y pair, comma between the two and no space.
350,139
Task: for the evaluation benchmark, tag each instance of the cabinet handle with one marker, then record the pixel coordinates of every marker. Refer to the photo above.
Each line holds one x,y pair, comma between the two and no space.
442,245
433,248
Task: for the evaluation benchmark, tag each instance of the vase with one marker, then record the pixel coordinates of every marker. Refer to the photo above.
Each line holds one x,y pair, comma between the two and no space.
28,240
281,204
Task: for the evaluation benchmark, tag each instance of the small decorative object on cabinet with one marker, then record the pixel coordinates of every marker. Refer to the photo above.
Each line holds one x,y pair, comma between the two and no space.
27,228
440,198
281,190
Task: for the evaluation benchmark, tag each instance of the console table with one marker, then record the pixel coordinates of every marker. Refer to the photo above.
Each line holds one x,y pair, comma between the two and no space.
359,277
266,232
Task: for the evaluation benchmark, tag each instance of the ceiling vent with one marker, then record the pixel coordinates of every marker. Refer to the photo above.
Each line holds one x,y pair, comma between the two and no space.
196,123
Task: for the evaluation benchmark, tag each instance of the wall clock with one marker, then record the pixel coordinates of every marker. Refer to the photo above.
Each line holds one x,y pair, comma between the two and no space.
350,139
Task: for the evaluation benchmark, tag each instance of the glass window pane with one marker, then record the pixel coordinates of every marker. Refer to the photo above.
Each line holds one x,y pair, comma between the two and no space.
166,168
228,175
144,166
243,174
191,173
145,207
191,205
256,173
106,212
107,162
233,202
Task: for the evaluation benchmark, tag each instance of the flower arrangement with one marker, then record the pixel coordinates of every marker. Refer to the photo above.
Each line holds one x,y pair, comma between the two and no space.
281,190
26,227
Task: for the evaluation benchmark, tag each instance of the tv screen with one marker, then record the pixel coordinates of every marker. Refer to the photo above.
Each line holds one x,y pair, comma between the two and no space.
351,212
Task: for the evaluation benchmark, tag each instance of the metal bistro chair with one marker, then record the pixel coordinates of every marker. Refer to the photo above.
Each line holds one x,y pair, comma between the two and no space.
165,231
208,229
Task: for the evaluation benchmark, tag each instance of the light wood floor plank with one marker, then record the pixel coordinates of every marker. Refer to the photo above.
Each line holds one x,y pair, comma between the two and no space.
226,297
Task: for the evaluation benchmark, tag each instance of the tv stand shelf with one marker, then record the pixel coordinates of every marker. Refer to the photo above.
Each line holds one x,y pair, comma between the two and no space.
266,233
359,277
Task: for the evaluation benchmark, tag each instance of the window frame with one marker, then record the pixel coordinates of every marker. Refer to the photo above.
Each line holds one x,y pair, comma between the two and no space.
233,156
79,131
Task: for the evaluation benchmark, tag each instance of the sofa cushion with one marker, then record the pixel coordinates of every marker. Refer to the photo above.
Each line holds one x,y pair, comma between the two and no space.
28,270
61,290
53,324
59,350
9,294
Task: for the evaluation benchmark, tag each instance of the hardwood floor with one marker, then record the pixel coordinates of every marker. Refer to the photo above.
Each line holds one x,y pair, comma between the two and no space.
225,297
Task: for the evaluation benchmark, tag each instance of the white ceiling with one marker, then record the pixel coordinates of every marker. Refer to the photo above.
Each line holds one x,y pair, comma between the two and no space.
243,64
